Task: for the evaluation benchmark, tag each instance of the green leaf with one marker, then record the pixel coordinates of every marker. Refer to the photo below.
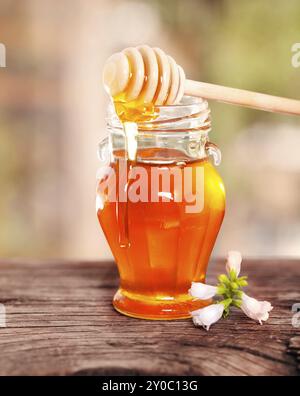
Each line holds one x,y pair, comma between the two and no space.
221,289
238,293
226,312
226,302
232,275
237,303
224,279
242,283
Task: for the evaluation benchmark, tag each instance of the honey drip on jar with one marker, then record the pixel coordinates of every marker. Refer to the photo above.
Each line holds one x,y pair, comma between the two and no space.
134,111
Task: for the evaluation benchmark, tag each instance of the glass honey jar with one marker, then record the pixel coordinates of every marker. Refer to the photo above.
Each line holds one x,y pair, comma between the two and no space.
160,203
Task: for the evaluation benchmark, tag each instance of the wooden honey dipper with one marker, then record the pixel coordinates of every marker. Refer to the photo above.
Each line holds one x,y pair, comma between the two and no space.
148,74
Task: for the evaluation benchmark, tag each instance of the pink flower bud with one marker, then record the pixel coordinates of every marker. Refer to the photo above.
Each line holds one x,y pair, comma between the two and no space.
257,310
202,291
205,317
234,259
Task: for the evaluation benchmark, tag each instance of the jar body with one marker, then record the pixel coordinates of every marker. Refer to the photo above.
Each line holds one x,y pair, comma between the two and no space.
159,245
160,203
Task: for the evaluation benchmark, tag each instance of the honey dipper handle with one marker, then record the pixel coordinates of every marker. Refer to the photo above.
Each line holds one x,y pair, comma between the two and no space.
242,97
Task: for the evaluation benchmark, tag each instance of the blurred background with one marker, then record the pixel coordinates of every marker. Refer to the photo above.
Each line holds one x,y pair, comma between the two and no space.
52,109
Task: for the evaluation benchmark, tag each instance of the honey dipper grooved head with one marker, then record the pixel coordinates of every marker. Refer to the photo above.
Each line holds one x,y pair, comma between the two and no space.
144,73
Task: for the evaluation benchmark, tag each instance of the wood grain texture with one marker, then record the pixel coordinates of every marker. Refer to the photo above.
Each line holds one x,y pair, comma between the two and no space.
60,321
294,349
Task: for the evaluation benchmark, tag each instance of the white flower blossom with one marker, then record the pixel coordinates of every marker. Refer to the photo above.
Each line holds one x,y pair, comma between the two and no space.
234,259
257,310
202,291
206,316
229,293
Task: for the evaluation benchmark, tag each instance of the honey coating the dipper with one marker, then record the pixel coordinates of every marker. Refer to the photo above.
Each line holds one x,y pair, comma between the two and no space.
140,80
134,110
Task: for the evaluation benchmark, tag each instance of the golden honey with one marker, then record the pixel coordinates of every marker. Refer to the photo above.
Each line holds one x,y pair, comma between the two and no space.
158,246
135,110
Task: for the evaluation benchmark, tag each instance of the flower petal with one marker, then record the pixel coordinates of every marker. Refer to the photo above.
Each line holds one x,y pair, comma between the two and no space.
254,309
206,316
234,259
197,320
202,291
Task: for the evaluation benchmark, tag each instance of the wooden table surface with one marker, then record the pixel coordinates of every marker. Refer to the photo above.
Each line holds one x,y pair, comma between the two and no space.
60,321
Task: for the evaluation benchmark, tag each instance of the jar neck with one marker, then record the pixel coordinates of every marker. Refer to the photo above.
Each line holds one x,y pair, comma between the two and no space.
177,133
161,147
190,115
